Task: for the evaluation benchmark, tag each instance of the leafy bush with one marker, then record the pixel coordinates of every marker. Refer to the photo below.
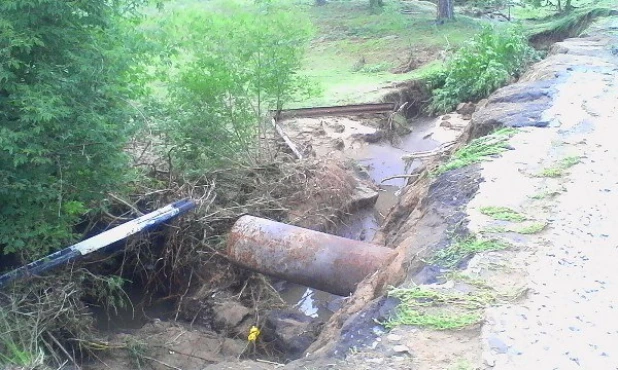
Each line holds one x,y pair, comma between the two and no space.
65,69
232,63
489,61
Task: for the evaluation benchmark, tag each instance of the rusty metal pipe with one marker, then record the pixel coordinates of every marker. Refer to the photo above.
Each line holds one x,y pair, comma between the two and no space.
311,258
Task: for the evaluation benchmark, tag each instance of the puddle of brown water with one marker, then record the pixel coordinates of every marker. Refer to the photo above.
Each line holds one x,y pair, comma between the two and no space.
384,160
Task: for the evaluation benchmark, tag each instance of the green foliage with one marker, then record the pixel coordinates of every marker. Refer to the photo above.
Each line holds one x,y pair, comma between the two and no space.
558,169
374,68
440,321
489,61
230,65
531,228
65,79
444,309
503,214
440,310
13,353
478,150
106,290
570,24
463,249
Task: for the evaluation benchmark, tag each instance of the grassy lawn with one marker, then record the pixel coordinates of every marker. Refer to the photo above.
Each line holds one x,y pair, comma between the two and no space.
354,50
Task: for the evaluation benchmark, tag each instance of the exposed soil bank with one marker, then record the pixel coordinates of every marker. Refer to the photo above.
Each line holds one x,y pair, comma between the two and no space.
570,26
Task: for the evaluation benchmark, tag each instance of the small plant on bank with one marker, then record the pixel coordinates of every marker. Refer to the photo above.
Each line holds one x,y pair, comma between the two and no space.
478,150
19,354
532,228
438,308
559,168
441,321
545,194
492,59
526,229
503,214
459,251
416,304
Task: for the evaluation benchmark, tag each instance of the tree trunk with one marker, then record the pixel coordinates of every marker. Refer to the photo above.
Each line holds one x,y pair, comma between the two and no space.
445,10
376,3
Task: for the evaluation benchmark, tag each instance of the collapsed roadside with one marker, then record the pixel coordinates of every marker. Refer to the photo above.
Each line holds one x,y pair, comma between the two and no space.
507,200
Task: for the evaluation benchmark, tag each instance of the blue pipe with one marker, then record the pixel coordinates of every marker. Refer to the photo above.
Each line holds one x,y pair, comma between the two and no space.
99,241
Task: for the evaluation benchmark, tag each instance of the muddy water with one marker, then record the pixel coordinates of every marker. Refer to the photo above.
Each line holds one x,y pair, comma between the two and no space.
381,161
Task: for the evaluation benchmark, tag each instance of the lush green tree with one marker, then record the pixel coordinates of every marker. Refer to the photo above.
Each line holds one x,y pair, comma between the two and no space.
65,83
233,63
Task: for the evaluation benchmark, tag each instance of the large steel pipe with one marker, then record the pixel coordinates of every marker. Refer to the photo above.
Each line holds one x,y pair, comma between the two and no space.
311,258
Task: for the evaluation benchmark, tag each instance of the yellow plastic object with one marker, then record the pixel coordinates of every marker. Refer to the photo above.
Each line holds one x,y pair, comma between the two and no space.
254,333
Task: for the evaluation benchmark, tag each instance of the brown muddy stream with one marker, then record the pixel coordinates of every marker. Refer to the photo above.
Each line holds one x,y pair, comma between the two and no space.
380,161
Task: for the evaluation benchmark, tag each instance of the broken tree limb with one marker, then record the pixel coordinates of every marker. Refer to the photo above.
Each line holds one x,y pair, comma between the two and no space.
287,139
429,153
398,177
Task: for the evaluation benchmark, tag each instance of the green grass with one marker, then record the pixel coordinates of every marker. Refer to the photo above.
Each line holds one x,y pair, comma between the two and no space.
558,170
551,172
460,250
442,309
13,354
440,321
414,302
347,32
570,161
478,150
503,214
534,227
462,365
18,342
571,24
545,194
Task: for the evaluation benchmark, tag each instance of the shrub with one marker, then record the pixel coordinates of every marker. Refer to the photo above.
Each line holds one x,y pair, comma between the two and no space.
233,62
489,61
66,70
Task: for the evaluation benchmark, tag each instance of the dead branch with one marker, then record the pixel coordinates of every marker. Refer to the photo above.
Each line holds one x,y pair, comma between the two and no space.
287,139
